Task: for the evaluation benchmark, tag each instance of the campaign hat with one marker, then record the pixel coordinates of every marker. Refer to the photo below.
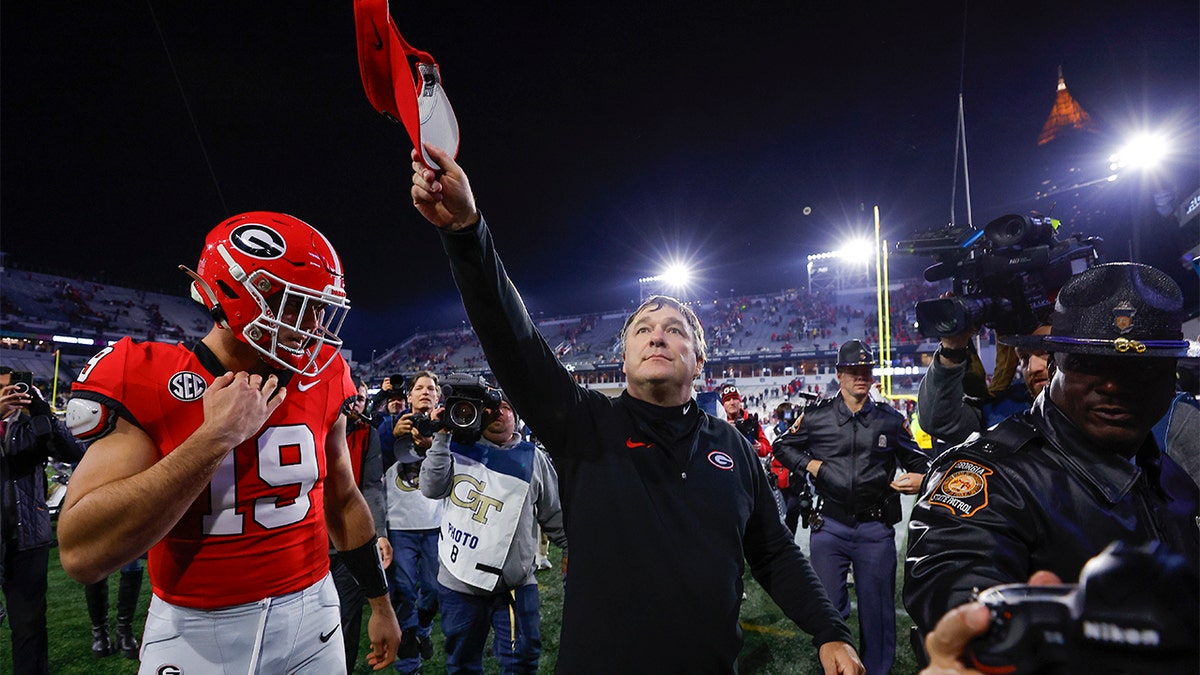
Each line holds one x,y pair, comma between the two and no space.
855,353
1121,309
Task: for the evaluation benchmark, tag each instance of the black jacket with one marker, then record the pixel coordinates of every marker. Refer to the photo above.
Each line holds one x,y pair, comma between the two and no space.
28,444
1032,494
660,533
860,452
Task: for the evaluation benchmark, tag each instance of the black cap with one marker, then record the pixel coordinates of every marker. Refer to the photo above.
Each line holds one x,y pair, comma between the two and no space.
1117,309
855,353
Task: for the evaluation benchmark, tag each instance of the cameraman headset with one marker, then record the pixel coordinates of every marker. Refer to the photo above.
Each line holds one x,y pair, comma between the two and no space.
413,520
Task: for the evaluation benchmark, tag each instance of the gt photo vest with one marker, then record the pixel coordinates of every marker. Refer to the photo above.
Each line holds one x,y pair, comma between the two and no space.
487,495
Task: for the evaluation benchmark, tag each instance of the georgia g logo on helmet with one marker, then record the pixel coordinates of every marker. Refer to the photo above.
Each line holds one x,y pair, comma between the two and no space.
258,241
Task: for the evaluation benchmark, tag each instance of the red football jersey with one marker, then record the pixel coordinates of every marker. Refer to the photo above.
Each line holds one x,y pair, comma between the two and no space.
258,530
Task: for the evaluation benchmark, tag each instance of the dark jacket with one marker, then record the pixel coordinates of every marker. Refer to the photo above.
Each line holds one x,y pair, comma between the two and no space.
29,443
949,415
860,452
660,532
1033,494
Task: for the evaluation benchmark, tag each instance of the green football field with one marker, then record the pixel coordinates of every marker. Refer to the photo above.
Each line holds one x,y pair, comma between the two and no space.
772,642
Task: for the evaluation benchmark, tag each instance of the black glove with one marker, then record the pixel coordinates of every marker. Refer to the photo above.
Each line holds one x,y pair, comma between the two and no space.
37,406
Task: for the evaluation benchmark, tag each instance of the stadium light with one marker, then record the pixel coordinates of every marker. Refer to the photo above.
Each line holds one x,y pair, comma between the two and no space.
676,279
1143,151
857,252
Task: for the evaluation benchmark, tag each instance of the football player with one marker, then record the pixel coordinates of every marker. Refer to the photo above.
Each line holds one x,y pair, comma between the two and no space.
229,462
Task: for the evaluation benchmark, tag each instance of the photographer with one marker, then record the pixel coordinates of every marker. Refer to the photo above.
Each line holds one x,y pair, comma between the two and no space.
29,435
413,519
954,400
853,448
488,549
1050,488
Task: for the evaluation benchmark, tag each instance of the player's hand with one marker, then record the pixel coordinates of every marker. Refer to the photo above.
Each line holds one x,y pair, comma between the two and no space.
384,632
908,484
385,551
443,197
237,405
839,658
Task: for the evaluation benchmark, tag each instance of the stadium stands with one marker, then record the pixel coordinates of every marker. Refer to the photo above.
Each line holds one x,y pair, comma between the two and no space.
765,343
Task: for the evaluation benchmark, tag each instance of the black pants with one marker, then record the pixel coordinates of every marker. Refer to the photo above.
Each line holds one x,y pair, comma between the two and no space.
25,600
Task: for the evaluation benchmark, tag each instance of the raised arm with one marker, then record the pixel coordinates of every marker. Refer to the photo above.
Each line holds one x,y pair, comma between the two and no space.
541,390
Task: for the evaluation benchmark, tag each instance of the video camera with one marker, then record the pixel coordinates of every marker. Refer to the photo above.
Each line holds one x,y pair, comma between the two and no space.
1133,611
468,400
1005,275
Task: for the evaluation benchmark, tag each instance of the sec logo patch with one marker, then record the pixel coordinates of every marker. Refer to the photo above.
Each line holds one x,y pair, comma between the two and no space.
186,386
720,460
963,489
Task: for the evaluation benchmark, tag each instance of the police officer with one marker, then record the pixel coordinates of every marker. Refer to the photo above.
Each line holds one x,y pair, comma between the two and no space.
852,448
1048,489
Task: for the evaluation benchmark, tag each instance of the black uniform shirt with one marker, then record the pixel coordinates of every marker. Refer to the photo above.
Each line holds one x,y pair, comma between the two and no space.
860,452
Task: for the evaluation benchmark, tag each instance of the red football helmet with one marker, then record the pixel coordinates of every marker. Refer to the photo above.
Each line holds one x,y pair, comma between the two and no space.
277,284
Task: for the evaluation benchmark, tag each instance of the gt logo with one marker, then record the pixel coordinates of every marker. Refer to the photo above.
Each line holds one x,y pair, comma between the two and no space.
473,499
186,386
258,241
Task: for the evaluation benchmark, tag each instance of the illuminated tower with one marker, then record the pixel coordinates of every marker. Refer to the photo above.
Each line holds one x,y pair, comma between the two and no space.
1073,166
1065,116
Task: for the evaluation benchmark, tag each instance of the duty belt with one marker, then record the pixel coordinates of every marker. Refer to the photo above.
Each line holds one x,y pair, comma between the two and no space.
843,514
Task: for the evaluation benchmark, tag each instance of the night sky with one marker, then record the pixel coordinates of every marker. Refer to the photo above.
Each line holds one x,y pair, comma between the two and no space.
600,138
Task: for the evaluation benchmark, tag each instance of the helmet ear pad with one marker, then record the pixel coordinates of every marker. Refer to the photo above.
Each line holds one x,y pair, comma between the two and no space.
277,284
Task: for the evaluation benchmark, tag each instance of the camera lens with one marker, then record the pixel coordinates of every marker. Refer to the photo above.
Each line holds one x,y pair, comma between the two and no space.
463,414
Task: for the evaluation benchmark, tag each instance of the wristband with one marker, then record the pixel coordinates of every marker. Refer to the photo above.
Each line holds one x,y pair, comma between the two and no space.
367,567
955,354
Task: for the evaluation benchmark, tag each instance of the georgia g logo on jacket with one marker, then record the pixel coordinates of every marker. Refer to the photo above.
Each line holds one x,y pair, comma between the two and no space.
721,460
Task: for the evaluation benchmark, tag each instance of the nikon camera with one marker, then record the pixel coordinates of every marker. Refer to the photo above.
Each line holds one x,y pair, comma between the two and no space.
1133,611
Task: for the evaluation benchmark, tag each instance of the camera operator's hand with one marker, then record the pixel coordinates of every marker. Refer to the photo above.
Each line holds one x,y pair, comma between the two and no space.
387,384
37,404
955,630
11,399
444,197
403,426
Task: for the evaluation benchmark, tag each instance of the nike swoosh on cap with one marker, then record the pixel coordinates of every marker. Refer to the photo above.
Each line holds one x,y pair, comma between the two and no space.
630,443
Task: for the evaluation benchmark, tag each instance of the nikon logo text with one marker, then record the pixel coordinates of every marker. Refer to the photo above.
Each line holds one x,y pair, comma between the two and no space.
467,492
1098,631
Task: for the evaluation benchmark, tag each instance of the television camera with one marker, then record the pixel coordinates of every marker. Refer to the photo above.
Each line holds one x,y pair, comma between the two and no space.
470,403
1005,275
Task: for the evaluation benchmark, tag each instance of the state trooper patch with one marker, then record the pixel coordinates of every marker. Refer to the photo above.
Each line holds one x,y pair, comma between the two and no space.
963,490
